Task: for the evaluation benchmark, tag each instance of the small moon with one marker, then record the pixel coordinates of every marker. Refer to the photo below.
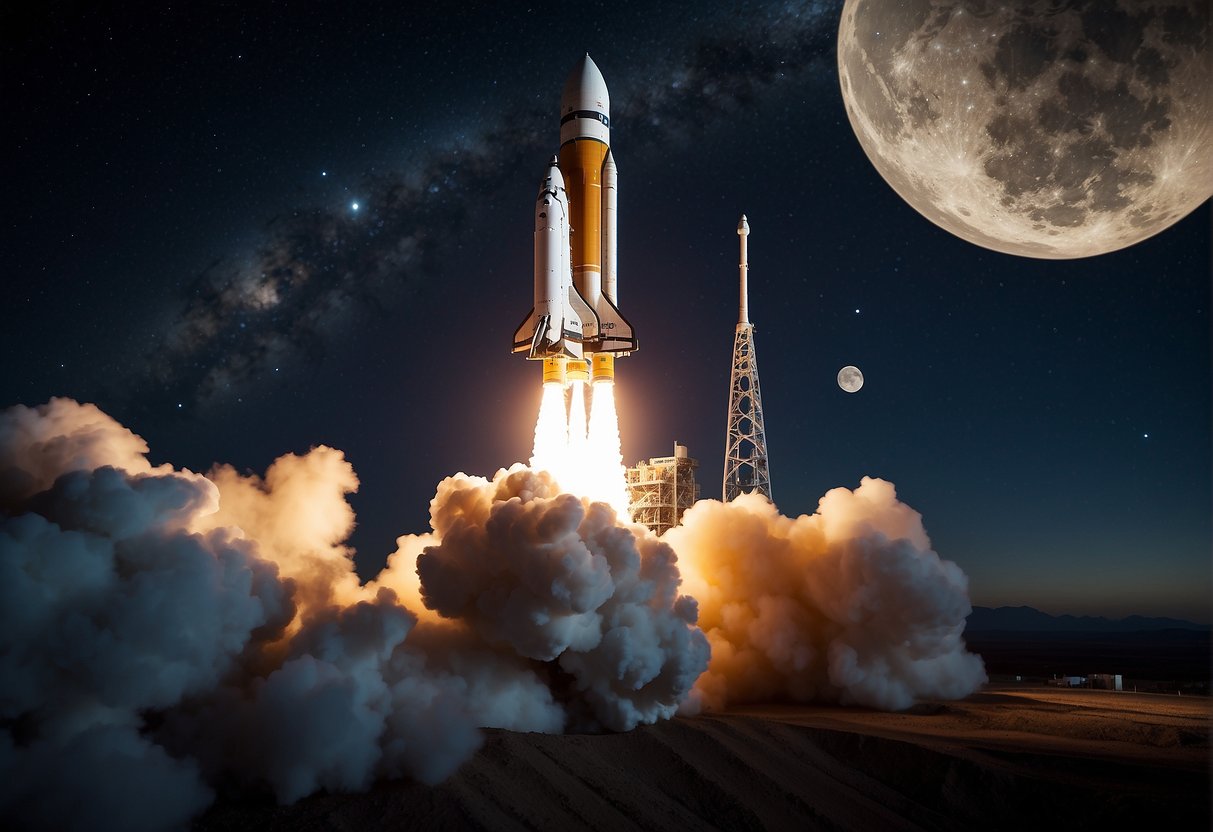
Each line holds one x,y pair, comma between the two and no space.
850,379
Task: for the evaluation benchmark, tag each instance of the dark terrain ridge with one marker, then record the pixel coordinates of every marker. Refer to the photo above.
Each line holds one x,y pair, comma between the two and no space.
1029,619
1002,759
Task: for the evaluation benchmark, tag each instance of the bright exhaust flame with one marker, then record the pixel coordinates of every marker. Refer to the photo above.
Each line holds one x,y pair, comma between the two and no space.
551,432
585,462
605,457
576,477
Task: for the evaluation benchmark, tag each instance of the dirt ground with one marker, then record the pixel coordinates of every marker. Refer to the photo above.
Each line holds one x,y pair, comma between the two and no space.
1004,758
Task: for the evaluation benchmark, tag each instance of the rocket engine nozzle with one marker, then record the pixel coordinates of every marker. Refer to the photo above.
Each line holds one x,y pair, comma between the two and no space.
555,370
604,367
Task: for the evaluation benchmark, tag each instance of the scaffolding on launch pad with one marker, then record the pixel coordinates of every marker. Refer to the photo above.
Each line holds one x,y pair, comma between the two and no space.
662,488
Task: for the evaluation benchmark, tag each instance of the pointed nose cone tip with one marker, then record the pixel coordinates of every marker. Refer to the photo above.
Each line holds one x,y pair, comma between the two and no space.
585,89
743,227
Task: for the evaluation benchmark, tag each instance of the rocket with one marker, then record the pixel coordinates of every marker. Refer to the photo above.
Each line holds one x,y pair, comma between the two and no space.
575,320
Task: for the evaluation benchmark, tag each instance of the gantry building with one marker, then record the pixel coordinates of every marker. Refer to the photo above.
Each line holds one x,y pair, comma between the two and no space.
662,488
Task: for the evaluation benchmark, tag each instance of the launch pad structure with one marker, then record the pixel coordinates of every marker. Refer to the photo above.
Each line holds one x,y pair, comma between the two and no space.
662,488
746,468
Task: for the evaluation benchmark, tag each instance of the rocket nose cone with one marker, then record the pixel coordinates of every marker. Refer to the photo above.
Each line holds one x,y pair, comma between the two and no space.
585,89
743,227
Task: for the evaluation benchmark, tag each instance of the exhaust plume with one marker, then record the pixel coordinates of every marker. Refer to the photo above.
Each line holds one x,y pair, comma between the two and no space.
300,519
163,631
605,448
849,605
584,457
110,608
551,578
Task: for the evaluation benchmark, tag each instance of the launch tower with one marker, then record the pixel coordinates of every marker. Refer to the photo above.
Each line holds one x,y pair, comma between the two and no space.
745,450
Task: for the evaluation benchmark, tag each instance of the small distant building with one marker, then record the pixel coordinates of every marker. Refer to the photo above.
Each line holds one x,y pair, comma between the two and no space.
1106,681
662,488
1096,681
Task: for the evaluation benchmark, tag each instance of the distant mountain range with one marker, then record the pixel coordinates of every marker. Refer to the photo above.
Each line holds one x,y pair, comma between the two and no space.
1027,619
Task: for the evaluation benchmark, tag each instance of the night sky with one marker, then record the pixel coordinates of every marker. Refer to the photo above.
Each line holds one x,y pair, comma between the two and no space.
181,246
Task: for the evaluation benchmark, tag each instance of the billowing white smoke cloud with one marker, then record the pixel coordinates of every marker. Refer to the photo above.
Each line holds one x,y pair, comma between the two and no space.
848,605
322,718
549,579
160,630
300,519
37,444
110,607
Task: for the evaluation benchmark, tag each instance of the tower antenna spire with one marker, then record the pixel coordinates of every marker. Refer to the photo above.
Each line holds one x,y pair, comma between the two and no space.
746,468
743,314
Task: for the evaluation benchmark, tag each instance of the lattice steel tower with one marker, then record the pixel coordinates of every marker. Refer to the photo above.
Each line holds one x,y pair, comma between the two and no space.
745,450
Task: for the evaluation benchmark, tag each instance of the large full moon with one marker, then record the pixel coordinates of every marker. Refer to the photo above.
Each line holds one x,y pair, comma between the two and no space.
1044,128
